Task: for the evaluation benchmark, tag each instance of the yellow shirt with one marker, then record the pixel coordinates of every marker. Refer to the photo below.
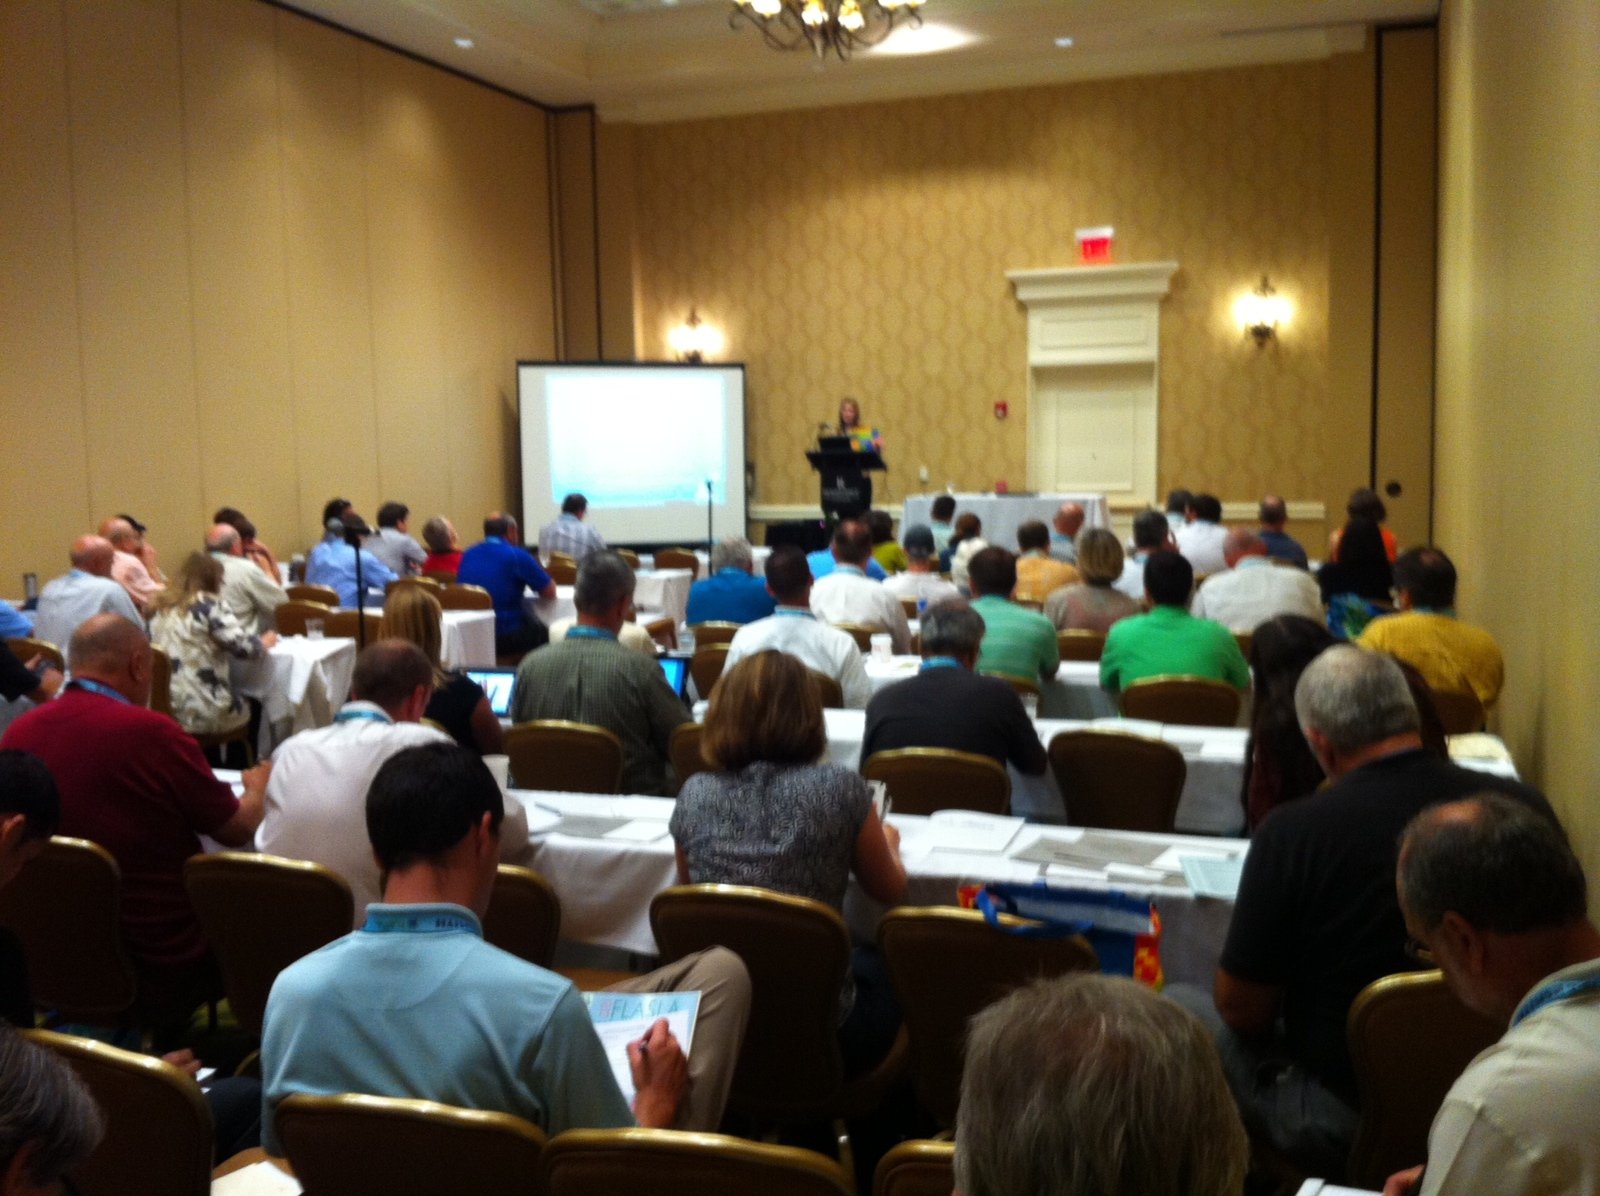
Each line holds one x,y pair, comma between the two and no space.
1038,576
1452,656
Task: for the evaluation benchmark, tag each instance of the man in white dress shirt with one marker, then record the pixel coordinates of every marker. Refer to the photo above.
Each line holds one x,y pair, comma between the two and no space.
316,803
1200,538
848,595
246,590
792,628
82,593
1253,589
921,579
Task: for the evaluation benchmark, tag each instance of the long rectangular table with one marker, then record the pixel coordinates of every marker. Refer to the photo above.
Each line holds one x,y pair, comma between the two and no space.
1002,514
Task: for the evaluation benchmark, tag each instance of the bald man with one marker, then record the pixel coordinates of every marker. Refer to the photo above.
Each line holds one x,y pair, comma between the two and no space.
84,591
246,590
1064,529
1252,589
132,781
128,567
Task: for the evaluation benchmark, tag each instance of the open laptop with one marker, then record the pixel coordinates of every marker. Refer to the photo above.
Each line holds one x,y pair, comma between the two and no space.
675,668
498,684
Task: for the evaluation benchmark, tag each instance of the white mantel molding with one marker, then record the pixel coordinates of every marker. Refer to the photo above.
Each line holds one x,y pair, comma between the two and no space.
1093,284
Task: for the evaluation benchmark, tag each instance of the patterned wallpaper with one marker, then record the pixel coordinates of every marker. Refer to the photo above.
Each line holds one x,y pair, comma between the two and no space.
863,251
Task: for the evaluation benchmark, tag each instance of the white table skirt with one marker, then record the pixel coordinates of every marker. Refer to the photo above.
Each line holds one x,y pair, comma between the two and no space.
1002,514
468,637
300,683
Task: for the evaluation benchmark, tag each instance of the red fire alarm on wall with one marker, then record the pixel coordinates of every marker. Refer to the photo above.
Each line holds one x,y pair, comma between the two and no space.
1002,409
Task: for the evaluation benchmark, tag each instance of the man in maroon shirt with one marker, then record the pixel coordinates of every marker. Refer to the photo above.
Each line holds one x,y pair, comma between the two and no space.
132,781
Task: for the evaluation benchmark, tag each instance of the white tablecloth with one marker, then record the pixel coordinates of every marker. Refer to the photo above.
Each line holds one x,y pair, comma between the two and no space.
1002,514
468,639
1075,693
562,606
300,684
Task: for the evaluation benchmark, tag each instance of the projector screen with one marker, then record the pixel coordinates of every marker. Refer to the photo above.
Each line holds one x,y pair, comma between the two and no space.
640,442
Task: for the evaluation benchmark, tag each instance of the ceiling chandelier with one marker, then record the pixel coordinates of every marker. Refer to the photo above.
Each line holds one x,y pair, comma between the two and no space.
839,26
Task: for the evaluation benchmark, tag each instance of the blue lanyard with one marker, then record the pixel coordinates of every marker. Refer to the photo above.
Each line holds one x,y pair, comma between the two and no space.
582,631
794,612
396,922
939,662
355,716
105,691
1561,990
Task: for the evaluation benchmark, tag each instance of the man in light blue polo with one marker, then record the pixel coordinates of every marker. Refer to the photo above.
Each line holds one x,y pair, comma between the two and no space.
333,561
85,591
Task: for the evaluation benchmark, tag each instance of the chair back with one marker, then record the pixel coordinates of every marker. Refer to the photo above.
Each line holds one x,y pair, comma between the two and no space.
304,592
160,681
1080,645
706,666
1410,1038
157,1125
1026,687
684,751
923,780
524,915
713,632
65,909
563,570
828,689
797,951
920,1167
861,633
947,964
1459,711
630,557
671,1163
25,648
260,914
444,577
352,1145
565,757
1184,701
459,597
344,624
290,617
909,605
1119,782
1244,639
678,558
664,631
431,584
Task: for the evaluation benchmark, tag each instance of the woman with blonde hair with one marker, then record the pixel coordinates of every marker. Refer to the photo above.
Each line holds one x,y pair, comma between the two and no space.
1094,603
458,704
771,813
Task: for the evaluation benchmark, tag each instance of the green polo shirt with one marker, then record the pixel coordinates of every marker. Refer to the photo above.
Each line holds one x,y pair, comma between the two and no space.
1168,641
1016,641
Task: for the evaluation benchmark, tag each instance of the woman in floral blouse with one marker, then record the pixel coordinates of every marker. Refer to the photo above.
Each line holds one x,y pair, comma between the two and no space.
198,632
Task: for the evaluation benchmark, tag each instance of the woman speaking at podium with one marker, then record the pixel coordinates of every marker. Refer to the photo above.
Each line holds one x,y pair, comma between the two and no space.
862,439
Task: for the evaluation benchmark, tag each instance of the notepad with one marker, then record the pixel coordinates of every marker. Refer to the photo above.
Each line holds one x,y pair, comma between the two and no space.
1213,876
1091,850
967,830
258,1179
624,1018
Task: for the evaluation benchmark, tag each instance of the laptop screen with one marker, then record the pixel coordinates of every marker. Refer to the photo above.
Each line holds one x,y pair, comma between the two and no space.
498,684
676,671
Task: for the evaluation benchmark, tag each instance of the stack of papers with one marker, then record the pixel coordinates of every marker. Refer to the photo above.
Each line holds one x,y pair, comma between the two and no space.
968,830
624,1018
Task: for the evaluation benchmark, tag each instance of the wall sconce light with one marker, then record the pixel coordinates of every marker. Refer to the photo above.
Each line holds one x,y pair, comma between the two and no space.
694,340
1261,311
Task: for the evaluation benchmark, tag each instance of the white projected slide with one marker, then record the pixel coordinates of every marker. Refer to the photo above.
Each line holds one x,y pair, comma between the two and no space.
640,443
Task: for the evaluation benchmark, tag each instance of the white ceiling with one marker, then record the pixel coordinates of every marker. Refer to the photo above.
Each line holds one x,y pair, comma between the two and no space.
654,60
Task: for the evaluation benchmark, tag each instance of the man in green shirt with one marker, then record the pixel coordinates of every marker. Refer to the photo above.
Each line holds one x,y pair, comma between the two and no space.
1018,642
1169,641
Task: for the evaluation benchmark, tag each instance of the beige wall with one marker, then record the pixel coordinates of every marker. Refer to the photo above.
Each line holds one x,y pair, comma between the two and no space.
1518,432
249,259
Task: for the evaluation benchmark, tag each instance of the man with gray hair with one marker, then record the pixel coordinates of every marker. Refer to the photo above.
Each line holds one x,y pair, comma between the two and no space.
84,591
49,1124
1316,918
1252,589
590,678
249,593
1089,1085
731,594
947,705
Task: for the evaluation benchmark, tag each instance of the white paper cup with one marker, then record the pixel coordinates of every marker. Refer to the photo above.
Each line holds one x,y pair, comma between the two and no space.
883,645
500,766
314,629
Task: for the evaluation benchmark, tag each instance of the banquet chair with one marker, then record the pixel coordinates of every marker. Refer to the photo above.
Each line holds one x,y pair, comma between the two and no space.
430,584
623,1162
797,952
1183,701
261,913
524,915
630,557
563,570
218,741
1459,711
1243,639
326,595
706,666
664,631
157,1125
713,632
684,751
349,1145
291,616
565,757
160,681
947,964
909,605
1410,1038
678,558
1118,781
862,633
828,689
342,624
1080,645
1026,687
444,577
924,780
1032,604
920,1167
25,649
459,597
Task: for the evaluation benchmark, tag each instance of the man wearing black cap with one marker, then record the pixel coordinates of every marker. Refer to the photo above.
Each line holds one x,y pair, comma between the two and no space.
921,578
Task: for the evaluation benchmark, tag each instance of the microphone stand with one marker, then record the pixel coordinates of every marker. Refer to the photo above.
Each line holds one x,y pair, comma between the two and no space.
709,536
352,537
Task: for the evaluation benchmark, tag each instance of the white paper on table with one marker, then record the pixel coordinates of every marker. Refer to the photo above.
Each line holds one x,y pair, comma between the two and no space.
258,1179
1129,726
986,867
967,830
1209,876
1171,860
1068,872
1321,1187
880,796
615,1038
1222,749
1133,872
640,830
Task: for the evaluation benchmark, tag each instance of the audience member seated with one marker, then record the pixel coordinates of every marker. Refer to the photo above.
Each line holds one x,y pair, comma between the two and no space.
457,703
1281,546
1252,589
792,628
1094,603
51,1124
1316,919
82,592
34,679
921,580
1086,1085
947,705
590,678
1494,893
14,624
1169,641
316,800
1452,656
568,534
128,567
889,555
1278,764
1177,511
416,1004
632,636
133,782
246,590
965,543
731,594
1151,533
1038,573
772,814
1064,529
444,549
1357,581
940,514
1365,504
257,553
194,627
1017,642
848,595
1200,538
822,562
502,566
393,544
332,562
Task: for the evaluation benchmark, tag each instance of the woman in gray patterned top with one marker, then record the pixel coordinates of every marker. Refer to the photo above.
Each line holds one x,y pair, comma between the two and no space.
771,814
